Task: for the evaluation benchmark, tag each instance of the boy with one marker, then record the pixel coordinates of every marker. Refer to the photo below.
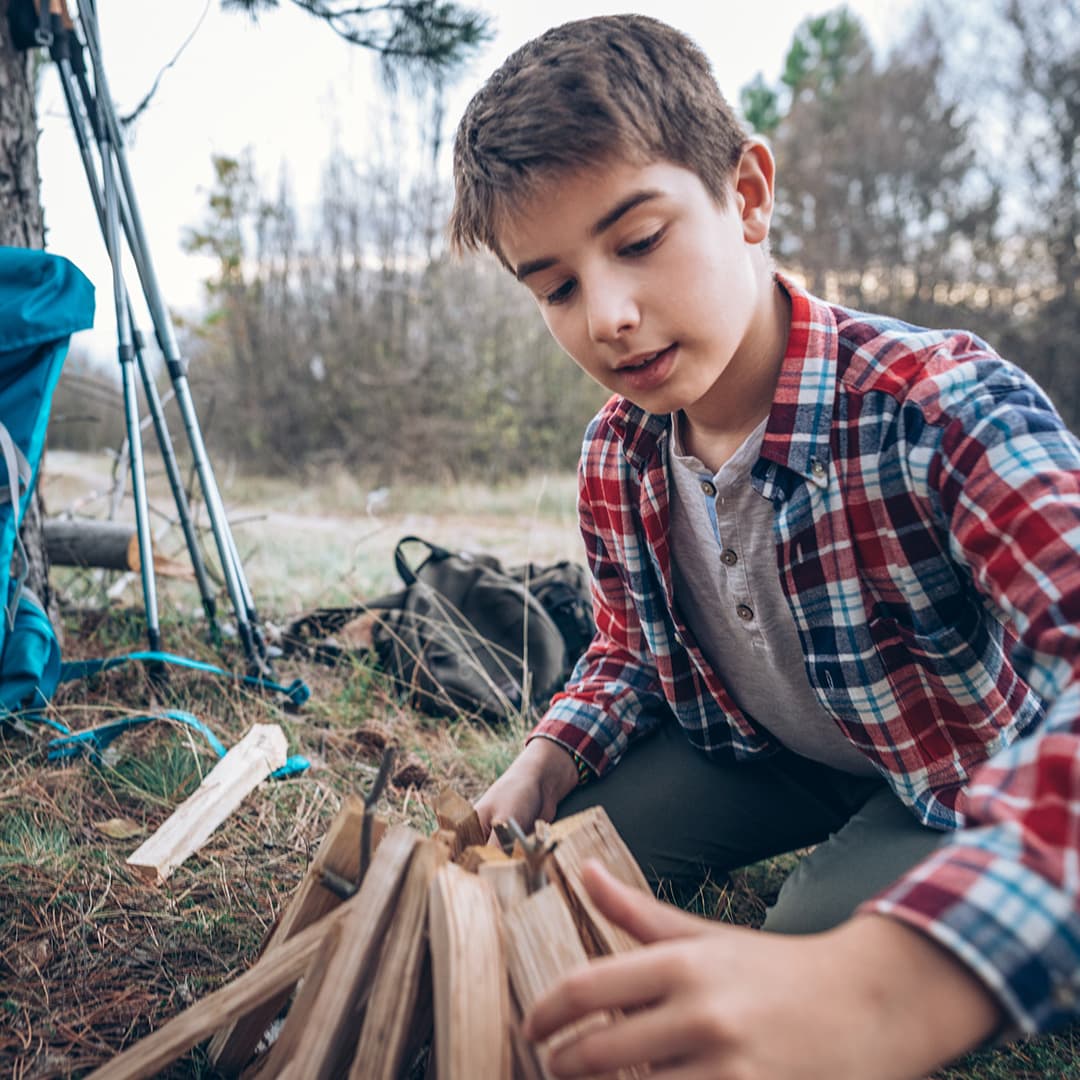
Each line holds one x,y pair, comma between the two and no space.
837,599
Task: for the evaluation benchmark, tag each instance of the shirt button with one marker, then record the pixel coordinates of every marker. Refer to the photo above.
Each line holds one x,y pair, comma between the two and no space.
728,557
708,488
745,613
817,468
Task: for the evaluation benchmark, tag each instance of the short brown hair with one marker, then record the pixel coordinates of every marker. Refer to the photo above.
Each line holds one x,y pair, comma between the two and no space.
619,86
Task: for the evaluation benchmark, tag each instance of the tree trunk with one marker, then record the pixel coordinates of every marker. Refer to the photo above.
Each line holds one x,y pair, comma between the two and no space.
22,225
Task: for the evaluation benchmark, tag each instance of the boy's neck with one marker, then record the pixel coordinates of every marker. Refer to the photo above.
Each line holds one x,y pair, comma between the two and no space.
716,426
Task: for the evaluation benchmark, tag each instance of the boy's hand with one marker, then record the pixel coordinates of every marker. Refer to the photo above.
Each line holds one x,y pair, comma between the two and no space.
531,788
870,1000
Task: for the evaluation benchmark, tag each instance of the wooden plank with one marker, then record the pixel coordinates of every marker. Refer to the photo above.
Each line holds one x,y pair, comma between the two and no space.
591,835
397,991
456,813
321,1028
262,750
270,976
468,959
339,853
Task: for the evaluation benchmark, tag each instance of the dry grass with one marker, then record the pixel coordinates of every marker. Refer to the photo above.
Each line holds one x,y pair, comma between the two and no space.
92,959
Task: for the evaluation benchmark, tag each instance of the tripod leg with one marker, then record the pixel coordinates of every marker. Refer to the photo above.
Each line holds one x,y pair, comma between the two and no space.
131,407
227,551
172,468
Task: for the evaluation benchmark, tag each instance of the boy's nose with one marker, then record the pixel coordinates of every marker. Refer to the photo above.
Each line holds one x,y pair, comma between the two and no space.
612,312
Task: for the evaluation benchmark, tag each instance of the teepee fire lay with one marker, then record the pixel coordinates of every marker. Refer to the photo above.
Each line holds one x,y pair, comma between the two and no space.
444,944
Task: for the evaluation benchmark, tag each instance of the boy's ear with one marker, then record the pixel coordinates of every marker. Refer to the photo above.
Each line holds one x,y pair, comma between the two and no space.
754,178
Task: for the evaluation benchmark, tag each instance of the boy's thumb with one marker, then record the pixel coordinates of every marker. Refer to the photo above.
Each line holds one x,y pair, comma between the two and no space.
639,914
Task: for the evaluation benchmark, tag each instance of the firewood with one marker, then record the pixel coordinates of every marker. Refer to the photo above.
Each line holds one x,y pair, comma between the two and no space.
508,879
456,813
472,1004
271,975
339,853
590,835
397,990
542,945
262,750
320,1030
476,855
448,839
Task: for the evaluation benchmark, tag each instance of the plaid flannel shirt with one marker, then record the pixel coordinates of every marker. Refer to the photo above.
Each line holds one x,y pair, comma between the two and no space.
927,530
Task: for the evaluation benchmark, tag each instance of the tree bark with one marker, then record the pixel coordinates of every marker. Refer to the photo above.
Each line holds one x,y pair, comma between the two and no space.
22,225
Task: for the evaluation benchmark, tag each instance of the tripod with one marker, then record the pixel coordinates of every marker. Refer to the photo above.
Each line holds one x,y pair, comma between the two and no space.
94,122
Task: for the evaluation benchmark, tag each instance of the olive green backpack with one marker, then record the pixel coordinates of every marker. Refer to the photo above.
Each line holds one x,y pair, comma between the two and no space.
464,635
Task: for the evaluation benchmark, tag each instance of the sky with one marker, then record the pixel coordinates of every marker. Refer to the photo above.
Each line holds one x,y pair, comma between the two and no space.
291,90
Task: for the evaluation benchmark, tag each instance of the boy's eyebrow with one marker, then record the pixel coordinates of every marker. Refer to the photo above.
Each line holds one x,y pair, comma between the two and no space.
624,206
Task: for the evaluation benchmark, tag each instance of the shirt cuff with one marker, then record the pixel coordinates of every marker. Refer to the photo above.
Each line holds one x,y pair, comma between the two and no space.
1010,924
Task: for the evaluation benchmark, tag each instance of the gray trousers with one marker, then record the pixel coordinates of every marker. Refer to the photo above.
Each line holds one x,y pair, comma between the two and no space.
685,816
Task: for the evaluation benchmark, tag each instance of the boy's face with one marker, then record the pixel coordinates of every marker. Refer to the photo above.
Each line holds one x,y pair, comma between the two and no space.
652,288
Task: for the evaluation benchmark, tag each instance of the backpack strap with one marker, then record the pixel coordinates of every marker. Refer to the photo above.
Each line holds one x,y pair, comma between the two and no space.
19,474
94,740
297,691
408,573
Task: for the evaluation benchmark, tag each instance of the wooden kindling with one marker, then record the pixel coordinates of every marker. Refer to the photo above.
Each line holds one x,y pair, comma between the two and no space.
427,956
339,853
262,750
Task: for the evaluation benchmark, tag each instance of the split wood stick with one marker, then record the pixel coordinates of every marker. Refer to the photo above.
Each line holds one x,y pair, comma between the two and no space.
591,835
468,959
339,853
320,1030
526,1064
397,990
456,813
509,880
542,944
262,750
476,855
270,976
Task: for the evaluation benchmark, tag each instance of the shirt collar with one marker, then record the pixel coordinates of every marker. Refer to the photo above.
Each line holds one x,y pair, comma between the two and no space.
800,422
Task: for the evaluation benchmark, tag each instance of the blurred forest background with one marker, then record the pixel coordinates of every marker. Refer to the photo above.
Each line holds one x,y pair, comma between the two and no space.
938,182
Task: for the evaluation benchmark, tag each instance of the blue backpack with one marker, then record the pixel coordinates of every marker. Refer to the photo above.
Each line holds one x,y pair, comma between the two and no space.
43,300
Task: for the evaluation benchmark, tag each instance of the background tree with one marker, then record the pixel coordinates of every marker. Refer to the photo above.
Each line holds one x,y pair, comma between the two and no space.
881,197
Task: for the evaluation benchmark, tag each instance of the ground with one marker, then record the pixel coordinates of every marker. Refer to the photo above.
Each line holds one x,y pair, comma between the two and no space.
92,959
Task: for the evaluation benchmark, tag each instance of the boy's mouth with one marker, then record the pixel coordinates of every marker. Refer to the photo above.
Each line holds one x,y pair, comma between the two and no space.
636,364
647,371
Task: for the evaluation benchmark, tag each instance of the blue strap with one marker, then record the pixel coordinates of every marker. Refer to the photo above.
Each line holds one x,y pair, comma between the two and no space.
94,740
297,691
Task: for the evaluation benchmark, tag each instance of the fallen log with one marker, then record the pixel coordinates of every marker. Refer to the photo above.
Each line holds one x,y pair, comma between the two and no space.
104,545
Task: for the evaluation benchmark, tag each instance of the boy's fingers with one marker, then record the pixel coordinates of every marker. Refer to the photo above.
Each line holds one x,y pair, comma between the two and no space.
628,981
641,916
654,1037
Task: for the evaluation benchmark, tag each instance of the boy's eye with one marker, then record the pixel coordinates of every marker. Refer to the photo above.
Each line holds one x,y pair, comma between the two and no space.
642,247
557,296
